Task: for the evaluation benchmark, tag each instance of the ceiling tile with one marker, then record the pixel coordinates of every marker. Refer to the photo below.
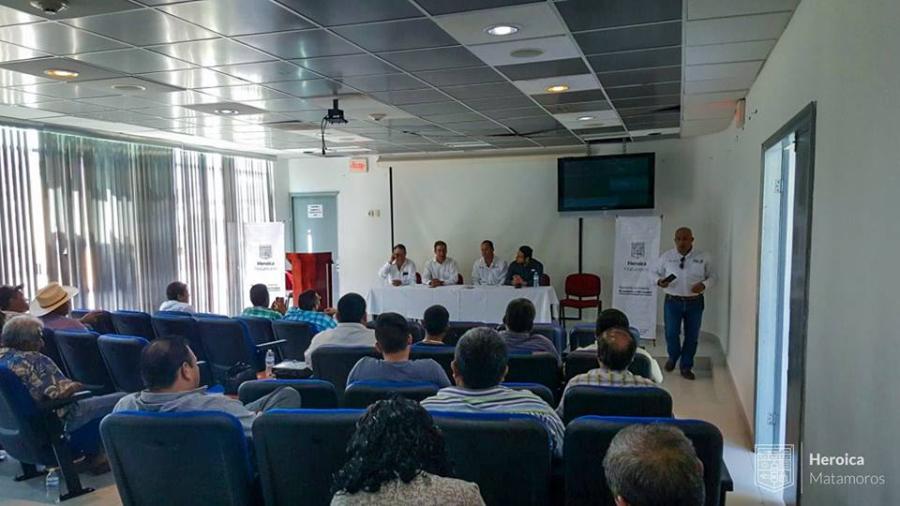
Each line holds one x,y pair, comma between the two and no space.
130,86
426,110
724,53
345,12
454,77
658,100
132,61
267,72
284,105
244,92
647,90
212,109
589,119
518,112
551,48
739,70
398,35
437,7
10,16
628,113
12,52
311,88
37,67
497,103
121,102
640,76
433,59
476,91
303,44
11,96
631,38
55,38
11,78
410,96
67,107
185,98
630,60
575,83
704,98
458,117
700,9
526,71
194,78
559,141
347,66
601,130
737,29
583,15
716,85
211,53
74,9
578,107
533,125
239,17
570,97
142,27
390,82
533,20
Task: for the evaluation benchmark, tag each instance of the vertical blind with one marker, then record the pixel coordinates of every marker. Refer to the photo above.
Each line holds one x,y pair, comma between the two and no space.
121,220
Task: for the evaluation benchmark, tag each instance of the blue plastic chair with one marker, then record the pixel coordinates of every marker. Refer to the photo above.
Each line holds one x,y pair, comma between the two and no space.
80,352
361,394
122,356
133,323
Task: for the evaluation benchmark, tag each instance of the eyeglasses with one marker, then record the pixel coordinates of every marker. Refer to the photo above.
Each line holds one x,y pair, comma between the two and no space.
681,265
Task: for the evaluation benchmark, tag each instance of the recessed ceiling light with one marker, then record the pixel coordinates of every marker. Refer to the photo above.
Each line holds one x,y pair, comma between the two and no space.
61,73
129,87
530,52
501,30
585,118
50,7
228,112
557,88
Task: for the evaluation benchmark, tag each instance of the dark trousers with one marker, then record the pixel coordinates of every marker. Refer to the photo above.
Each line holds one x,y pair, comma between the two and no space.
690,313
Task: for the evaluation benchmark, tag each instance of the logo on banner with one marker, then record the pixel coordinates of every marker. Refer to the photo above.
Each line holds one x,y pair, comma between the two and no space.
774,467
265,252
638,250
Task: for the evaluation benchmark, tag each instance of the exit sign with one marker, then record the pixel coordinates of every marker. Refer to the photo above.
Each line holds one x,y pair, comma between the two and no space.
359,165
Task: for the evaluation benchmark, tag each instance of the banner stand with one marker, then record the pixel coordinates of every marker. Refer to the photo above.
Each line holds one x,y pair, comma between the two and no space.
634,291
264,257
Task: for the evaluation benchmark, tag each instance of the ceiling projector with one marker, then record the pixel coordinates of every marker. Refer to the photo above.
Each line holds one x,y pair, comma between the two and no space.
335,115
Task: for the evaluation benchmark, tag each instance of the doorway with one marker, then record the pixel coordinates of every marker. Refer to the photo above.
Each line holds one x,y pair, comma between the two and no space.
785,226
315,227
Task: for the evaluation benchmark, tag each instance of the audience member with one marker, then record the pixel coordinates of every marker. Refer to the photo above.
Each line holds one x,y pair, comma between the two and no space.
488,269
436,322
479,366
392,340
351,328
609,318
521,272
177,297
397,457
615,351
259,297
308,311
52,304
441,270
519,322
653,465
399,270
20,352
172,380
12,301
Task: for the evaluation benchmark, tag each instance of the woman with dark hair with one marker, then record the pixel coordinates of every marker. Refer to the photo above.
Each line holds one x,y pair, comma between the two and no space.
397,457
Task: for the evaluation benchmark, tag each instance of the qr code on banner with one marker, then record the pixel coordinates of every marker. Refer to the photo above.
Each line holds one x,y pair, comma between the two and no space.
265,251
638,249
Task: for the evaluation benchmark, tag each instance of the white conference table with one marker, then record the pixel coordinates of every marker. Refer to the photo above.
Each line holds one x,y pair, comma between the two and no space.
463,302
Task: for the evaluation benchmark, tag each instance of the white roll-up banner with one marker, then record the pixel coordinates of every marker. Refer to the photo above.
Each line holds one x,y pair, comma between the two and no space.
264,257
634,292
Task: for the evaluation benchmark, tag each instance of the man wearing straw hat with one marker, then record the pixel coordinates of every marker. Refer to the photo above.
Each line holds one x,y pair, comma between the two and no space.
52,305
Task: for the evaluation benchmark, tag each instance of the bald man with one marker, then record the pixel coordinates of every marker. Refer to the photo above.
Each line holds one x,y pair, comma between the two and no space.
684,274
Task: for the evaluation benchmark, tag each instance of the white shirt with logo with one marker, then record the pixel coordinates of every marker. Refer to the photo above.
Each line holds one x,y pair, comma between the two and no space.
484,274
697,268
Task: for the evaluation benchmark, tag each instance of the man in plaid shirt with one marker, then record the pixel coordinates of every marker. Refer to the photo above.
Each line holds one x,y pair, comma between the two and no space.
307,311
259,296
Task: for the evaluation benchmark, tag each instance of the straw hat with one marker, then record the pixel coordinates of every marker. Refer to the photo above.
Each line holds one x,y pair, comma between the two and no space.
51,297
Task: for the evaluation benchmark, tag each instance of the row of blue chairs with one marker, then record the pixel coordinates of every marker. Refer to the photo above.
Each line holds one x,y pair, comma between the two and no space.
296,453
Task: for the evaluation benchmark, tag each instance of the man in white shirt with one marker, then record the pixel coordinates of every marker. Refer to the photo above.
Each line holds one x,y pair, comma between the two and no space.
178,297
489,270
441,270
684,274
399,270
351,329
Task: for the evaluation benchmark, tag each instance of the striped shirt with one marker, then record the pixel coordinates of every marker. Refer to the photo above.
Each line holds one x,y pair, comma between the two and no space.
262,312
319,321
605,377
500,399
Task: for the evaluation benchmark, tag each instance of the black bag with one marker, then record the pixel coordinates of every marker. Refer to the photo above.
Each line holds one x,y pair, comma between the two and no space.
237,374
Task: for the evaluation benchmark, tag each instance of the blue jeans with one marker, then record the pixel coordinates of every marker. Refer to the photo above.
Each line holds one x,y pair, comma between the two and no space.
691,313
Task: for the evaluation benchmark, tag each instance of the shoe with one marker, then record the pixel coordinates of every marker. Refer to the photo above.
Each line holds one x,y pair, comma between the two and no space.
688,374
670,365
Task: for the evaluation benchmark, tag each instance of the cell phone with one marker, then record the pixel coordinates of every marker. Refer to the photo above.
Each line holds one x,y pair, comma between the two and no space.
670,278
279,300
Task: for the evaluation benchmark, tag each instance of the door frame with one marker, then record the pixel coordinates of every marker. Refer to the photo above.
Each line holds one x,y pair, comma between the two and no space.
805,120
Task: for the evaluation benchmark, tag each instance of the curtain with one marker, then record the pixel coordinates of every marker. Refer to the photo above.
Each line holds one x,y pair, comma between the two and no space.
21,222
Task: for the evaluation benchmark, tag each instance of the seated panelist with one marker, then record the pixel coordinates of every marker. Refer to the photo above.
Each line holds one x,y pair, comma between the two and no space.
441,270
488,269
521,272
399,270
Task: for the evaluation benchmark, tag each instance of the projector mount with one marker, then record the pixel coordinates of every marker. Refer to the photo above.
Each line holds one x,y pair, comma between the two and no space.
335,116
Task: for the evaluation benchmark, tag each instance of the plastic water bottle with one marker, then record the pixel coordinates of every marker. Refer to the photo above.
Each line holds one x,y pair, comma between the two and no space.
270,362
51,483
536,280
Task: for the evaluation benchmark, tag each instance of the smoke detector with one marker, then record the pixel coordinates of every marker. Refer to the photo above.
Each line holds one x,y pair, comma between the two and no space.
377,116
51,7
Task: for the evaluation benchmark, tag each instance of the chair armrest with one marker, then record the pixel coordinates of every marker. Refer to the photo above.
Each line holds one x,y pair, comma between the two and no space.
270,344
725,478
54,404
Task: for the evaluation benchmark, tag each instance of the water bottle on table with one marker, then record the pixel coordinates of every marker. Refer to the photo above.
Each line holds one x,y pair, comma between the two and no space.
270,362
535,280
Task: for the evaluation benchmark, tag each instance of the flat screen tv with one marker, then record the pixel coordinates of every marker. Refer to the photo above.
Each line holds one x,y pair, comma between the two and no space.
594,183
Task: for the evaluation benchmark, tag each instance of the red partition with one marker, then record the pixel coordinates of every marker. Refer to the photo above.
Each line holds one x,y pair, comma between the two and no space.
312,271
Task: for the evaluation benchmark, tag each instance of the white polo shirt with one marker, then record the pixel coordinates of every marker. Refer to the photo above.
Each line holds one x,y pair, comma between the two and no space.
697,268
484,274
406,274
446,272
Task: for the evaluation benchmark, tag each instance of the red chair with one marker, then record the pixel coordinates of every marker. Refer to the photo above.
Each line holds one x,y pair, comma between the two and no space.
582,292
545,280
418,279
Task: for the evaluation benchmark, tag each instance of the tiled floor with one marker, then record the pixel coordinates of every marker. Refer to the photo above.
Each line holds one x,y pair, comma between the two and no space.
711,397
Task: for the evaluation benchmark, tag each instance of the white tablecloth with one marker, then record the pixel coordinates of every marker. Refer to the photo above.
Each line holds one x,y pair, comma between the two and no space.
464,303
